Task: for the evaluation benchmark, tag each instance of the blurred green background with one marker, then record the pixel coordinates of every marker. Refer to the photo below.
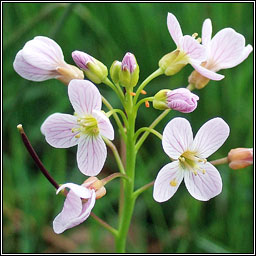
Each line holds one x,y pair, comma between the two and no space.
107,31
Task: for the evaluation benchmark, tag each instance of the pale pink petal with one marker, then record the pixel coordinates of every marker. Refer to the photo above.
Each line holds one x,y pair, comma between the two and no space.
226,47
193,49
44,53
245,53
206,72
174,28
30,72
84,96
57,129
91,155
206,32
79,190
74,212
167,181
203,185
105,127
177,137
210,137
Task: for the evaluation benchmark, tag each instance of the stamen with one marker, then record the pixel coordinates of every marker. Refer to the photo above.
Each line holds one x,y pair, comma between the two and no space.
199,40
132,93
147,104
78,135
143,92
173,183
195,35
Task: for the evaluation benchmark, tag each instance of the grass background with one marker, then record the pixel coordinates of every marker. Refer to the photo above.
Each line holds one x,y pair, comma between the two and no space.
107,31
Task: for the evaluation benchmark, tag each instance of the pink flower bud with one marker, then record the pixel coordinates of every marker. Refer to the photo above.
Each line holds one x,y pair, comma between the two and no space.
129,62
82,59
240,158
97,185
182,100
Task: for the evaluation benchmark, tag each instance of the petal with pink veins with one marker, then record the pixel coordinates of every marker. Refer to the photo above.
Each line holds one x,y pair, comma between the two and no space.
174,28
203,186
79,190
91,154
57,129
167,181
84,96
206,32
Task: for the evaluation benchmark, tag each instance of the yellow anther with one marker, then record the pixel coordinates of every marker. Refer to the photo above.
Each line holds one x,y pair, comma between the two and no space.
182,159
173,183
195,172
203,171
77,136
195,35
199,40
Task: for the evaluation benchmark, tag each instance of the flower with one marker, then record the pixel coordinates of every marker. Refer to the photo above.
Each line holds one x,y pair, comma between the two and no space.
75,210
95,70
85,128
240,158
201,178
41,59
225,50
189,50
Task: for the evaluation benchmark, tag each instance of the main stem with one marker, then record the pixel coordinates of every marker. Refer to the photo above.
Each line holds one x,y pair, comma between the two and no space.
129,199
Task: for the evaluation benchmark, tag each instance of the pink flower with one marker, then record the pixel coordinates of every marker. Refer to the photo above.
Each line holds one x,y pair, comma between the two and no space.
42,59
85,128
75,211
225,50
201,178
190,50
182,100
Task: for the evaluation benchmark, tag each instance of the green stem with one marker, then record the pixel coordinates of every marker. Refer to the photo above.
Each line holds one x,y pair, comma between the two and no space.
138,132
143,101
111,112
191,87
116,155
115,89
142,189
223,160
157,73
146,133
114,176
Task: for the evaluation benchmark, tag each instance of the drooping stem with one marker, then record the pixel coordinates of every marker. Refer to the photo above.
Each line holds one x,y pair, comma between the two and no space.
35,157
114,176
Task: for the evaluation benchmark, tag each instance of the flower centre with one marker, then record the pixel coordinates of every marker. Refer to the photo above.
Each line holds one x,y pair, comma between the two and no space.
87,125
190,161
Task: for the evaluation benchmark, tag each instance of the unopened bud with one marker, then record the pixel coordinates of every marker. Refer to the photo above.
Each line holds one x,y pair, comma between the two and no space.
239,158
68,73
115,70
160,100
129,74
97,185
95,70
173,62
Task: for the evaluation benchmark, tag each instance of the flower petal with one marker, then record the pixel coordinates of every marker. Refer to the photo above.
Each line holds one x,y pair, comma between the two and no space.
105,127
193,49
73,213
210,137
91,155
27,71
79,190
167,181
206,32
226,48
174,28
206,72
177,137
84,96
203,186
44,53
57,129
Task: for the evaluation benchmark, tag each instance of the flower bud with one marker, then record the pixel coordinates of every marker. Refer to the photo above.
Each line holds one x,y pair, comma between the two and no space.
129,74
68,73
198,80
240,158
97,185
173,62
180,99
115,70
95,70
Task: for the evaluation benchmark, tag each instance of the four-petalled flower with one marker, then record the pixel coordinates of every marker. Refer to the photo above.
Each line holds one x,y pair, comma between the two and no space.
85,128
201,178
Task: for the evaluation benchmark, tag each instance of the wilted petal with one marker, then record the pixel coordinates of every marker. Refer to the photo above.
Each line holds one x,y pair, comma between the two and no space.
226,47
177,137
73,213
174,28
91,155
84,96
206,72
210,137
44,53
79,190
27,71
193,49
57,129
203,185
104,125
167,181
206,32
